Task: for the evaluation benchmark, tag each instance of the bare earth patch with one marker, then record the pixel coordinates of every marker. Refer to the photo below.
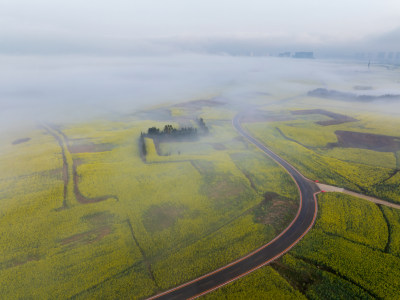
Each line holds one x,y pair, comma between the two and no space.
336,118
222,189
87,147
20,141
99,218
87,237
100,222
203,166
163,216
19,261
263,116
275,210
218,146
376,142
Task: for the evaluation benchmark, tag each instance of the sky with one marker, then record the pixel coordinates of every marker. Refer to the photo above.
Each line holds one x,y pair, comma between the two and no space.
27,24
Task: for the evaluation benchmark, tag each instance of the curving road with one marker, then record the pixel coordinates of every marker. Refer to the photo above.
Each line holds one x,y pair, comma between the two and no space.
277,247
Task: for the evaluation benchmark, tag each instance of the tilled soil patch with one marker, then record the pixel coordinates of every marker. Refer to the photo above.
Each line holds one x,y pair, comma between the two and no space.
20,141
88,147
336,118
361,140
259,116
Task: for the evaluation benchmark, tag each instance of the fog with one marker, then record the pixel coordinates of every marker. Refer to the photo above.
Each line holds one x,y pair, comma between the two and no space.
73,61
77,88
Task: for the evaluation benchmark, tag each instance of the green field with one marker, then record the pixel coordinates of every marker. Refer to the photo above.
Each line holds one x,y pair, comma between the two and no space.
347,255
84,215
89,211
311,149
353,250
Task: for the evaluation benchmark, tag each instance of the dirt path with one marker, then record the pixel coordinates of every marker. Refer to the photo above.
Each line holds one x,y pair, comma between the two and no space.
330,188
78,195
67,166
72,192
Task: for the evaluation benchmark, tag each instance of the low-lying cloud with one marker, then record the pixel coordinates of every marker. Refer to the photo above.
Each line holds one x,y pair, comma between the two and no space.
64,88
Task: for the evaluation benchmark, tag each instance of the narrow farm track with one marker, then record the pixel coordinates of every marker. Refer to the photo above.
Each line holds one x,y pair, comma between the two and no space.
72,192
301,224
67,166
331,188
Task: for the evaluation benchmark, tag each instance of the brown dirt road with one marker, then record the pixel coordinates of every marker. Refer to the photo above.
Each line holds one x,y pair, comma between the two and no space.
330,188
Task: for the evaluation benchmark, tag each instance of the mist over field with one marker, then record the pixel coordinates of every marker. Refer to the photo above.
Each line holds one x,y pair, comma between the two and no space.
71,61
77,88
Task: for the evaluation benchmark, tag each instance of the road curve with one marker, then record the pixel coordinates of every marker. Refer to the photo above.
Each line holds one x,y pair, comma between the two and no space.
277,247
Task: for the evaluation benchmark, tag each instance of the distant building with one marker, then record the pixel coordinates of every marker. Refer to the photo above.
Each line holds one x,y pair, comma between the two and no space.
379,57
309,55
284,54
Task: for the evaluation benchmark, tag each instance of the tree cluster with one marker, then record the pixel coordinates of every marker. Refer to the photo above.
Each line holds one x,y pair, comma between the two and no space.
202,125
169,132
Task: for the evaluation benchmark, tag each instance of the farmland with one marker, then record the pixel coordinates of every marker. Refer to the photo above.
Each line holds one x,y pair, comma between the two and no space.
335,259
88,210
351,236
369,165
83,214
97,201
358,247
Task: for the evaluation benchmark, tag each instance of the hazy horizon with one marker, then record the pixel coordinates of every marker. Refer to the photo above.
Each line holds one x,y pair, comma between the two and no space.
175,26
71,60
79,88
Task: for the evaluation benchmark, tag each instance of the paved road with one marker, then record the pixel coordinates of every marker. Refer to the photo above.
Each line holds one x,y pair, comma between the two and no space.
281,244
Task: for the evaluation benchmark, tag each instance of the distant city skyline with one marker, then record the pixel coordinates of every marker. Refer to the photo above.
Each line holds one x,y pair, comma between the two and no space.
44,25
